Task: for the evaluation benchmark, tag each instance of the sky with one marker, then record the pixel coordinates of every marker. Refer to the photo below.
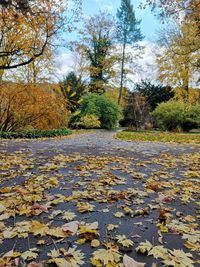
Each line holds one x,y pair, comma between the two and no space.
149,23
149,26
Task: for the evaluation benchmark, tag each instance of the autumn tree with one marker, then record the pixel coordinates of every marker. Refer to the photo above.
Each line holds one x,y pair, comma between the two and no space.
173,8
96,43
128,33
27,28
179,60
136,112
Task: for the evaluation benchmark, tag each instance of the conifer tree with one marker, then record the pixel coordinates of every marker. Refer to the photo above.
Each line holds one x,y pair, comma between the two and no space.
128,33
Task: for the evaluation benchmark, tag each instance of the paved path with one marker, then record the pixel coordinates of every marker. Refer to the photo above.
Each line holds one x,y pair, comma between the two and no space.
110,175
97,140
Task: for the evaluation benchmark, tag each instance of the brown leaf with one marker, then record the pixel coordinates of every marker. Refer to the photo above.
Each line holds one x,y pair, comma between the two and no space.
71,227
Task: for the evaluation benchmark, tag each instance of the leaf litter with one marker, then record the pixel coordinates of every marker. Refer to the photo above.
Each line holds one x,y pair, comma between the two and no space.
99,210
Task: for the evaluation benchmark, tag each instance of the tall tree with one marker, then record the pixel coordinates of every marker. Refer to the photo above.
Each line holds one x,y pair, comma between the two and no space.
128,33
178,64
28,27
96,43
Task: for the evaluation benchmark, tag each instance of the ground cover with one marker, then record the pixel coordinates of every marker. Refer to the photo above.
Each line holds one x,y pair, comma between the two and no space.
160,137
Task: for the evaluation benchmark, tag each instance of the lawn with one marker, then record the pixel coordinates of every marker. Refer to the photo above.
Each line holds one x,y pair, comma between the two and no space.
192,138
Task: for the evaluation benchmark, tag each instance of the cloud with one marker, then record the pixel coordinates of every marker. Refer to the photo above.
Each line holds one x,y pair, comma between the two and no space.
142,66
64,63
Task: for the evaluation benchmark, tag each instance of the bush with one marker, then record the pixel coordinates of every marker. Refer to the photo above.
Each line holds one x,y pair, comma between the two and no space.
100,106
192,118
28,106
90,122
34,134
174,115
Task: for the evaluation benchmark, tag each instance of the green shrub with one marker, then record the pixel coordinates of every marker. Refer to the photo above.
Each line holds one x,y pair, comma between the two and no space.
174,115
100,106
34,134
192,118
90,121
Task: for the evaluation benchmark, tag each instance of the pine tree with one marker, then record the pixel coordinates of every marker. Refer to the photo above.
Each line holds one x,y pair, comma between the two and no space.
128,33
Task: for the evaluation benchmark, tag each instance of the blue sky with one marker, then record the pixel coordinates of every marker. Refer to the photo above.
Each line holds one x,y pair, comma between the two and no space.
149,23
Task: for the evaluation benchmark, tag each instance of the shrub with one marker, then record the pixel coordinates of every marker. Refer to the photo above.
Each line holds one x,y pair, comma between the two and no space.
34,134
90,122
100,106
174,115
192,118
29,106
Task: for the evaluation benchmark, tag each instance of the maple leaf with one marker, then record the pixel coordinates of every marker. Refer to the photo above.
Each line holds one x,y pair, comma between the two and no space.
129,262
73,257
159,252
106,256
53,253
61,262
192,246
124,241
178,258
119,214
144,247
38,228
89,231
68,215
56,232
30,254
85,207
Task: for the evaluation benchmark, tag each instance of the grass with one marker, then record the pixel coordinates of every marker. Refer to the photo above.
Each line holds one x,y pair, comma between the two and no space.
192,138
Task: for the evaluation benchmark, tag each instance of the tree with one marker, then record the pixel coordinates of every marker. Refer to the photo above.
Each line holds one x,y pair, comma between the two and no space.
154,93
128,33
26,35
174,8
180,57
73,88
19,5
136,112
38,71
96,42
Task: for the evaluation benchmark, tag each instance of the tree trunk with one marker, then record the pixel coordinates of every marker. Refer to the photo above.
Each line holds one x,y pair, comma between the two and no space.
122,74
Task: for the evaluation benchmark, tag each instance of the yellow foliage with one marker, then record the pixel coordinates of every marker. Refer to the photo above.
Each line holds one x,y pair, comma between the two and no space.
31,106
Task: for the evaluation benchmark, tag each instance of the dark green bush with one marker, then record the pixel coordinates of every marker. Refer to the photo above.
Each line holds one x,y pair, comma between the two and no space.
100,106
174,115
34,134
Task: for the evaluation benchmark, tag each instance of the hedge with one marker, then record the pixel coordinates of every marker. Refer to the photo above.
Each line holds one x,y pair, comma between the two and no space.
34,134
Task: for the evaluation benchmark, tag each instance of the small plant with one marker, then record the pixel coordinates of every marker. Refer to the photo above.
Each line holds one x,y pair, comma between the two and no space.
90,122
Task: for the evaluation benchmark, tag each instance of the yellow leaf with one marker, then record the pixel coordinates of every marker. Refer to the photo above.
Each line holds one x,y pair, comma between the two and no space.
95,243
